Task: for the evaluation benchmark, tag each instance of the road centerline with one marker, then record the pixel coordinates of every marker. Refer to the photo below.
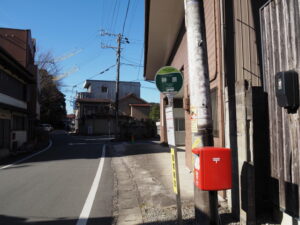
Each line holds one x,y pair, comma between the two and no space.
86,210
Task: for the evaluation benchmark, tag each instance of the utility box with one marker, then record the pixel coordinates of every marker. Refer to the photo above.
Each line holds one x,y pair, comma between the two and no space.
212,170
287,90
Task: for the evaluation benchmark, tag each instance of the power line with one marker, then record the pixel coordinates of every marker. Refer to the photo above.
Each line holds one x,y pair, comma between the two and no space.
133,65
117,16
134,6
138,75
125,17
102,72
113,14
128,60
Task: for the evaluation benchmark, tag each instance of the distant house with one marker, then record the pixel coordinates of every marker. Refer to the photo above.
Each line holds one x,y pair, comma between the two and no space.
104,89
94,116
135,107
19,108
95,109
70,122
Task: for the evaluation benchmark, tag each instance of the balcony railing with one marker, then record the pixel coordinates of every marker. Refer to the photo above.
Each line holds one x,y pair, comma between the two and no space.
81,95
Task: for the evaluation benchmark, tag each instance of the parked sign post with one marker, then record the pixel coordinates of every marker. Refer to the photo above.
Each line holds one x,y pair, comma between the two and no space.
169,81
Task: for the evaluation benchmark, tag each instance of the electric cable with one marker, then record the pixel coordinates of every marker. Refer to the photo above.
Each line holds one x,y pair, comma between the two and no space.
102,72
125,17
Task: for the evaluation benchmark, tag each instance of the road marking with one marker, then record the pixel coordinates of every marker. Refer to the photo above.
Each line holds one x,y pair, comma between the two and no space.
28,157
99,139
71,144
77,144
85,213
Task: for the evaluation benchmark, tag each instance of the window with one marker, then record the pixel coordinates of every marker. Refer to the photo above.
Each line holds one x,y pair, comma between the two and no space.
179,124
178,103
12,87
89,110
214,107
104,89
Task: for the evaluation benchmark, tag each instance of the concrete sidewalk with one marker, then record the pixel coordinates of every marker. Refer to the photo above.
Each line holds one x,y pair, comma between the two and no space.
144,188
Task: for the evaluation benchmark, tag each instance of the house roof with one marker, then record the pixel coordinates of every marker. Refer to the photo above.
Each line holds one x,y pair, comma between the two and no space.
93,100
140,105
71,116
163,23
131,95
87,83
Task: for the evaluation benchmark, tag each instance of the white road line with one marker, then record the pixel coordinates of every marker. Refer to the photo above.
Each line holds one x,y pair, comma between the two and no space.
28,157
77,144
85,213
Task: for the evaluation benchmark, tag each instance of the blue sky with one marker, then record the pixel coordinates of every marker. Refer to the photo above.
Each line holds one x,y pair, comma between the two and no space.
73,27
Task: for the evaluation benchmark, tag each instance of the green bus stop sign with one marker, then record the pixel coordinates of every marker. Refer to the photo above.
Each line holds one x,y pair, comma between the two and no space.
168,80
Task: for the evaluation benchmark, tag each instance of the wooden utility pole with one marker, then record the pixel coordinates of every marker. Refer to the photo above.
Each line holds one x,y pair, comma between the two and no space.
206,202
117,84
118,49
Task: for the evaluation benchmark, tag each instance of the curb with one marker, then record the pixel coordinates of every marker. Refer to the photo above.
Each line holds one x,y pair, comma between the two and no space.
126,202
28,157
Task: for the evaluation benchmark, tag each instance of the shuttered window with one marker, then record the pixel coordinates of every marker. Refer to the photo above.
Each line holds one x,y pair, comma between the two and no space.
12,87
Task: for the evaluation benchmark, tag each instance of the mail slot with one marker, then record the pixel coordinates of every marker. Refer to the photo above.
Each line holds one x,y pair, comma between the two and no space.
212,169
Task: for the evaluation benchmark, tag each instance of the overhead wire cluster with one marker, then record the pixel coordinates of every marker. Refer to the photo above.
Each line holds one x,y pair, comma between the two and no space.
111,21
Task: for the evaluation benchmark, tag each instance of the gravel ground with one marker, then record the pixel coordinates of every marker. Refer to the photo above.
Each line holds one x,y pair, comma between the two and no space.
157,214
168,214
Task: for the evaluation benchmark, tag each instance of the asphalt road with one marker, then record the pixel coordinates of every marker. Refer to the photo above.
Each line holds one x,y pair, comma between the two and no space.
70,183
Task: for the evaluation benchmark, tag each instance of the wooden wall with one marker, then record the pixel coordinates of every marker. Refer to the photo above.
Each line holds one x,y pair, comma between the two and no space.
213,41
246,52
281,51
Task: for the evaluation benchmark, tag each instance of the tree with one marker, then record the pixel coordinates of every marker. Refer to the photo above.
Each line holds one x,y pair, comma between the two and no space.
52,100
154,112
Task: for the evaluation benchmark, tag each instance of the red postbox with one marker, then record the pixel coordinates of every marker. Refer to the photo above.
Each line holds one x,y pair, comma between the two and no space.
212,170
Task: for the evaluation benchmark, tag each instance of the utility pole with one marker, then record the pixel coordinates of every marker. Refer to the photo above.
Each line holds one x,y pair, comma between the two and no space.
117,83
118,49
206,202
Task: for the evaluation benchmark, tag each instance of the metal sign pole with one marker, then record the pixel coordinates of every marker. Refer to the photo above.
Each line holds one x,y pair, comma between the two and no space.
173,149
176,183
169,81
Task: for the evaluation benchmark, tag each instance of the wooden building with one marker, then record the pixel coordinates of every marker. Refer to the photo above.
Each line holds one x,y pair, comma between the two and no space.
248,42
95,109
281,52
19,107
94,116
135,107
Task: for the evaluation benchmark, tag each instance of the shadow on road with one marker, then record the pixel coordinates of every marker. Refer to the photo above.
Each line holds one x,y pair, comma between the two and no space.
184,222
139,148
10,220
68,147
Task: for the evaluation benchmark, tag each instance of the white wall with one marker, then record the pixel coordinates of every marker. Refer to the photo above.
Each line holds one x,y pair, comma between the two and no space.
125,88
21,137
12,101
179,135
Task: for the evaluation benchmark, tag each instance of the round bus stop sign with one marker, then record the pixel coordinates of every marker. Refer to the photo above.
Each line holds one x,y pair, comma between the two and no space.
168,80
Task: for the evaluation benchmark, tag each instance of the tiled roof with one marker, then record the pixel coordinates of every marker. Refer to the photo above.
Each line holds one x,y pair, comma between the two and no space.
140,105
134,96
93,100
